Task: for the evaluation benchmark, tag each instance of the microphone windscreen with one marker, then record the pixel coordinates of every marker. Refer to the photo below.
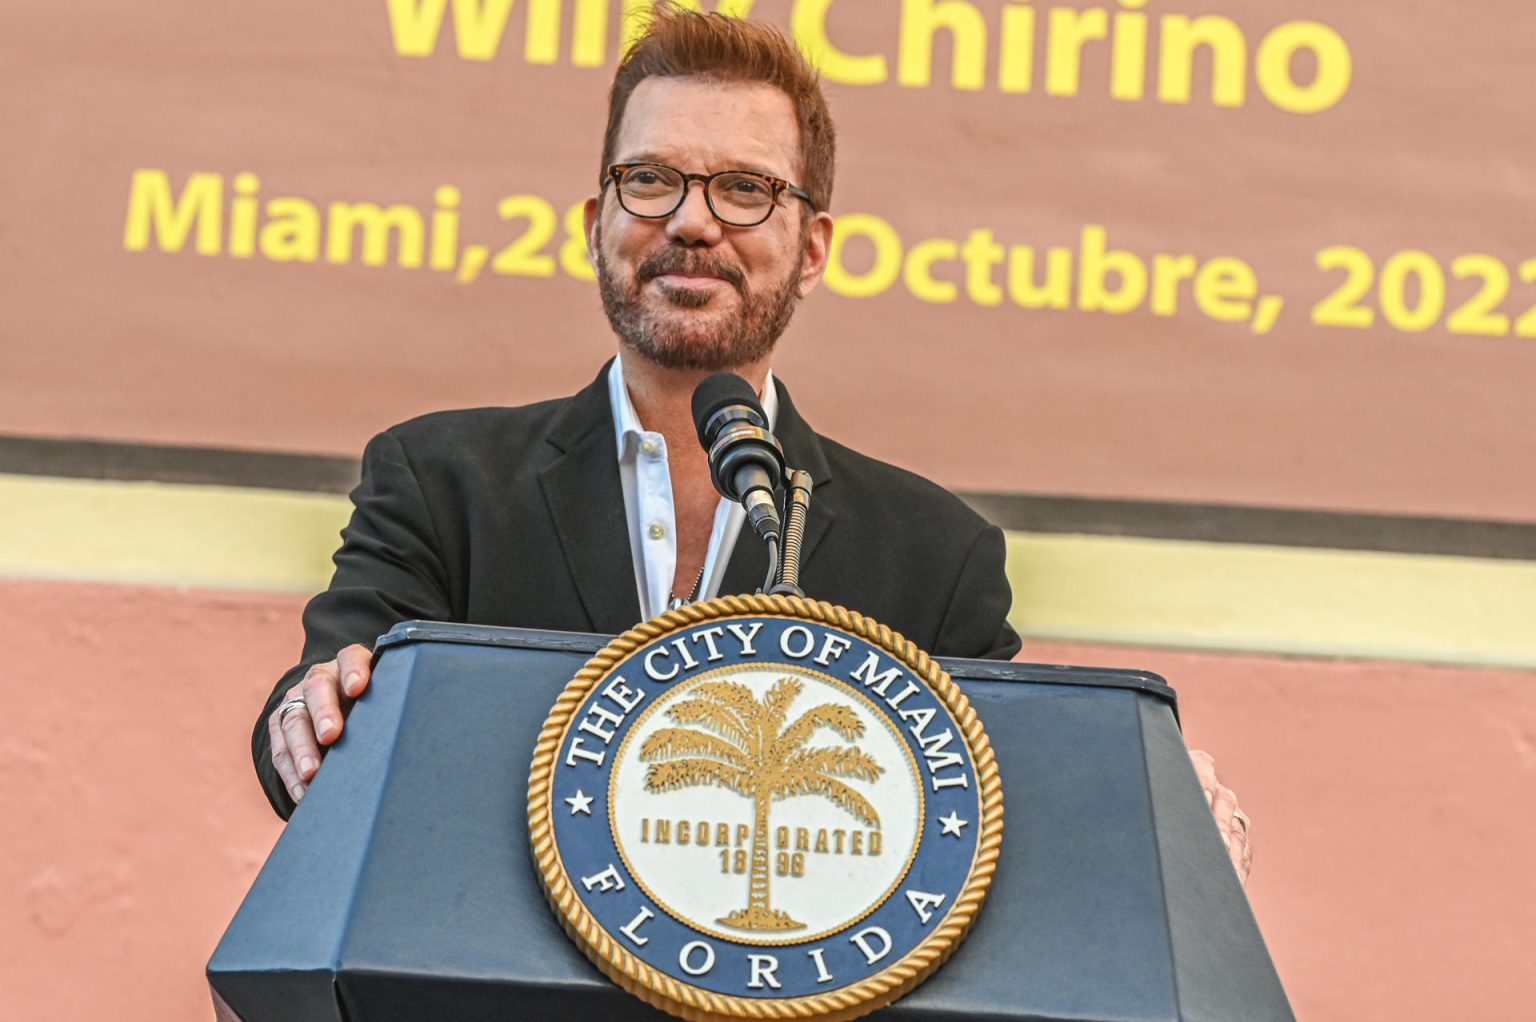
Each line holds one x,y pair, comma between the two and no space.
716,392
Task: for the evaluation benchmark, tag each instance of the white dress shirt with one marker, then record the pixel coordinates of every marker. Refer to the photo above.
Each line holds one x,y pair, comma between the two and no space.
649,507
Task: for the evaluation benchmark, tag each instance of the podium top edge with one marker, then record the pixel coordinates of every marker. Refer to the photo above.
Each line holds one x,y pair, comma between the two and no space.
408,632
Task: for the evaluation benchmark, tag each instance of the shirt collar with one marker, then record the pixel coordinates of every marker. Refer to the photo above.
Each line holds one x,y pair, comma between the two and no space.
626,421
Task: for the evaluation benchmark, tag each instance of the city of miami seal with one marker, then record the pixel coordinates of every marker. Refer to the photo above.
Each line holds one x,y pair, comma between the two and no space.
764,807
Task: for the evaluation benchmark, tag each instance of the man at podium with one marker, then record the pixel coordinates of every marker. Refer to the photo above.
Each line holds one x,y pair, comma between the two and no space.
594,512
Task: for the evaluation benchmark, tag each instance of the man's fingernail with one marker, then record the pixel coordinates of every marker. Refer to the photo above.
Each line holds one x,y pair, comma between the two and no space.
353,680
1209,798
325,727
306,764
298,792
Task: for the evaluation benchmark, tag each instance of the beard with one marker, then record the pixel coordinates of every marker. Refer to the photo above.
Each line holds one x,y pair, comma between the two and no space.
673,338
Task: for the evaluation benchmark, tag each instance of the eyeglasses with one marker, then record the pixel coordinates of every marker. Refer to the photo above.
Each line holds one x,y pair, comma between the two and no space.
739,198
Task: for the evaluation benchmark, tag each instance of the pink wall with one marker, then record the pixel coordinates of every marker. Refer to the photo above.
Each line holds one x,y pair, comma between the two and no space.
132,823
1393,838
1388,799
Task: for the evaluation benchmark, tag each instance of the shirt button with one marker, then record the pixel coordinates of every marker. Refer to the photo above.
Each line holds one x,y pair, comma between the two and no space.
657,531
650,447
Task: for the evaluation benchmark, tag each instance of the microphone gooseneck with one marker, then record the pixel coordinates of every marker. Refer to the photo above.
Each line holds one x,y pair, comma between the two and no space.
786,576
746,463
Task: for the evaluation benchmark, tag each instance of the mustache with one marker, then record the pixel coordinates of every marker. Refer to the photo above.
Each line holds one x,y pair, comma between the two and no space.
674,260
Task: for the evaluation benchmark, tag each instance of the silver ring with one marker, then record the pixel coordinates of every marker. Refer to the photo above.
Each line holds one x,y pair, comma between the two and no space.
289,707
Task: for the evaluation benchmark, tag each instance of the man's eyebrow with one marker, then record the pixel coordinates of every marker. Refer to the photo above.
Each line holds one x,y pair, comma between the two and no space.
651,157
646,157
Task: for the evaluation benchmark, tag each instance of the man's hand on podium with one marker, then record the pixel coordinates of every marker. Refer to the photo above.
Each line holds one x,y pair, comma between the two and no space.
312,715
1231,821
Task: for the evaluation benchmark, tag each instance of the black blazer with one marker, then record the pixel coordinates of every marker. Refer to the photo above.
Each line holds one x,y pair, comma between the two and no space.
515,516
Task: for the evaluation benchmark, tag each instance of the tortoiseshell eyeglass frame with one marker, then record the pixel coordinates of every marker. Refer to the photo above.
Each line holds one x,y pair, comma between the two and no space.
778,184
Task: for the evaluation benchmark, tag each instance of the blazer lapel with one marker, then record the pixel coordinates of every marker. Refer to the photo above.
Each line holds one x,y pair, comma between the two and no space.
802,450
586,505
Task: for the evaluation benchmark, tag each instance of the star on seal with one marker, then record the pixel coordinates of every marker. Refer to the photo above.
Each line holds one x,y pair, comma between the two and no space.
951,824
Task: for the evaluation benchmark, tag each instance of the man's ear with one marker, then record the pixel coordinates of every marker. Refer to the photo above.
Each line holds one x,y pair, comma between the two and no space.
813,261
589,212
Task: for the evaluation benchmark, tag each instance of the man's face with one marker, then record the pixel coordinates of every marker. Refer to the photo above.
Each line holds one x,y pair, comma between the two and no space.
688,292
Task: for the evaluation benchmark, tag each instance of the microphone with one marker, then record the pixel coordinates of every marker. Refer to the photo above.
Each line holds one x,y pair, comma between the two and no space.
746,463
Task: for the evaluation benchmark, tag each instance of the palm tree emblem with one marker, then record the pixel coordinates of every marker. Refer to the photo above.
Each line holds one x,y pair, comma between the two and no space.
741,744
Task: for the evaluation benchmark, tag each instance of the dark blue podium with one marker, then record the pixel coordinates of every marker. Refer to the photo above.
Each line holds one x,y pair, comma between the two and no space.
402,888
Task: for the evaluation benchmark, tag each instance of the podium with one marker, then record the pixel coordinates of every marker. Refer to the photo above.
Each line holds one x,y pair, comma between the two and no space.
403,888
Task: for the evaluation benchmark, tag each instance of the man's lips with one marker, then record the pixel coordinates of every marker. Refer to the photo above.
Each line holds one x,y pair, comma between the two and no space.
690,276
702,283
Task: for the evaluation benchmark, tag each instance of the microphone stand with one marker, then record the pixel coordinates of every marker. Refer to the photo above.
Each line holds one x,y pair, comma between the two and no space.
784,576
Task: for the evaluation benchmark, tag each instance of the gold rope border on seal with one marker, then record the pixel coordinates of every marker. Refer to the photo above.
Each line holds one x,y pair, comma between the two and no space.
663,991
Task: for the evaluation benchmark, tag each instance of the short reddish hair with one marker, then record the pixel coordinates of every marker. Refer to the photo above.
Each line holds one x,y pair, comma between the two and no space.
679,43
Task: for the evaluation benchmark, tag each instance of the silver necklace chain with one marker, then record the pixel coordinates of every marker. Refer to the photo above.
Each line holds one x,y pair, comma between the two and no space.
693,592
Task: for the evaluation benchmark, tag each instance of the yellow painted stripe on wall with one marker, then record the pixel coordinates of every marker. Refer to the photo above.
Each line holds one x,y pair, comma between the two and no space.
163,534
1238,597
1215,596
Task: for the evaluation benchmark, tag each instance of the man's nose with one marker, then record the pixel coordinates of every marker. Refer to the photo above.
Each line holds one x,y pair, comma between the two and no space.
692,223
